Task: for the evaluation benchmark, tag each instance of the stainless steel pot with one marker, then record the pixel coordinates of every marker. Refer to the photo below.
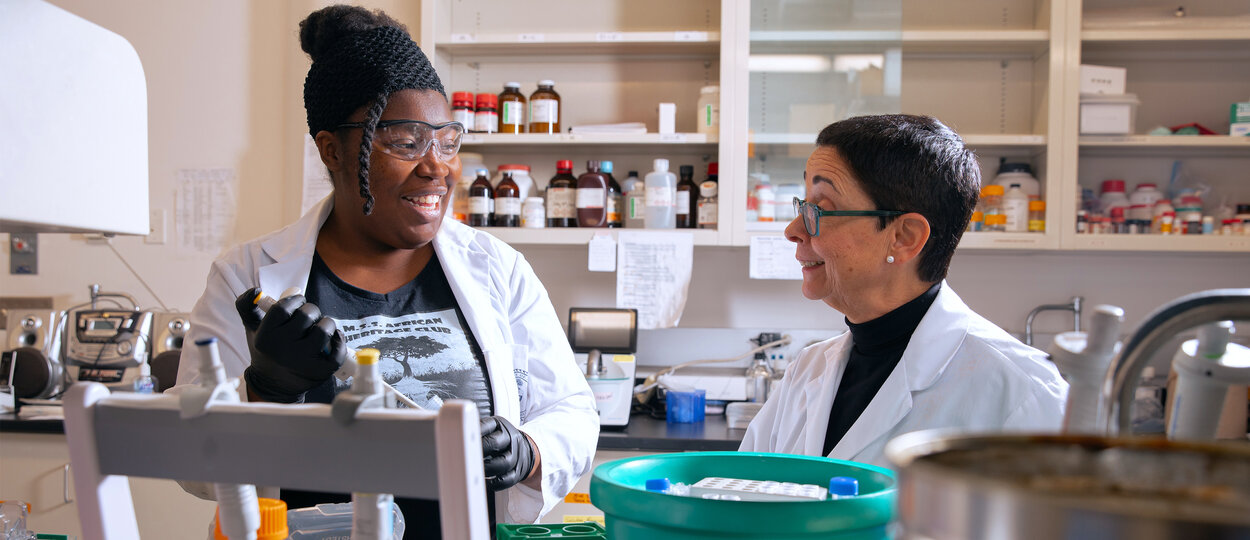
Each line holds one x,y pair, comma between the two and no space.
1058,486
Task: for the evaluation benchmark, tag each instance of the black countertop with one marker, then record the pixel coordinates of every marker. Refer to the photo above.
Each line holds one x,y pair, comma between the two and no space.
643,434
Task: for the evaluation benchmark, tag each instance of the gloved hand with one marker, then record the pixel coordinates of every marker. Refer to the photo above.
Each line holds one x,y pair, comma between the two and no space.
507,453
294,349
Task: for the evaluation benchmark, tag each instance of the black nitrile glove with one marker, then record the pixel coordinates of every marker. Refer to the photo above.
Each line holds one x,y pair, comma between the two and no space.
507,453
294,349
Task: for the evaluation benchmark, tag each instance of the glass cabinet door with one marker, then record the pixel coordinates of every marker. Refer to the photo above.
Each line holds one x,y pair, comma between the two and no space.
811,63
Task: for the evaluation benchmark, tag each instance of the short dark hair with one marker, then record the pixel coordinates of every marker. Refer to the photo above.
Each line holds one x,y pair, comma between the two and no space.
359,58
915,164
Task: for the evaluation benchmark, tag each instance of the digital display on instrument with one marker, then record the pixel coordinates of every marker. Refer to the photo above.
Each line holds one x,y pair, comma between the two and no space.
608,330
103,375
103,324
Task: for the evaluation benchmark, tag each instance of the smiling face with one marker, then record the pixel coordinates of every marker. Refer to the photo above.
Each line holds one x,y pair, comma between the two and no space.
410,197
845,266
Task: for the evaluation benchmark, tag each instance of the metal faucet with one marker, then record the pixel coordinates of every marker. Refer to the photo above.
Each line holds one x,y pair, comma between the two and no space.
1160,327
1074,307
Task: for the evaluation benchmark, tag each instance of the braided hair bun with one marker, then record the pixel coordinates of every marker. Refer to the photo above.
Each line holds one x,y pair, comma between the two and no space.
360,57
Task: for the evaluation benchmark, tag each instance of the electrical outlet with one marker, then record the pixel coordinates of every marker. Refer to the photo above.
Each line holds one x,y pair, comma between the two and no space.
156,224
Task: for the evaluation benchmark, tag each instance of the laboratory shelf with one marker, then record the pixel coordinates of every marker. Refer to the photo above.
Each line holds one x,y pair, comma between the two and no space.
1192,145
936,41
574,236
767,226
976,140
576,139
1005,240
693,42
1155,242
1231,34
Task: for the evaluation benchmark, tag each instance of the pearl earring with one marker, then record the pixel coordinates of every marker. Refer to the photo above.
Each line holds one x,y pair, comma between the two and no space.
889,259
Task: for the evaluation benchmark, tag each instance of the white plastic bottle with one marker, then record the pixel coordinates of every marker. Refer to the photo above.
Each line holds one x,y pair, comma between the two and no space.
661,187
765,199
1016,208
708,109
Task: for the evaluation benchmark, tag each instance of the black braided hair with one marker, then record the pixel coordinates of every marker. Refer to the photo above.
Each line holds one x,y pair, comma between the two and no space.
360,57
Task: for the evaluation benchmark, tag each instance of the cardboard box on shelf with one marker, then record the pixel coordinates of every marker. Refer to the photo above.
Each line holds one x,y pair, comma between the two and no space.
1107,80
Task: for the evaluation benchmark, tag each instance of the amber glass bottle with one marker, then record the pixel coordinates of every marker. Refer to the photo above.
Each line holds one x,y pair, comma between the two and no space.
687,199
480,200
507,202
592,197
545,108
512,107
561,196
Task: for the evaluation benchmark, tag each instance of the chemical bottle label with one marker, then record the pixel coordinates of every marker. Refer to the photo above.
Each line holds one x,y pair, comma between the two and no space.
479,205
487,122
767,208
560,203
545,111
683,203
707,213
591,197
513,113
660,196
465,117
637,204
614,213
508,206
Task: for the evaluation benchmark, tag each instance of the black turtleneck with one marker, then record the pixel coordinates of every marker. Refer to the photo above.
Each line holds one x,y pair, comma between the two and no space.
876,347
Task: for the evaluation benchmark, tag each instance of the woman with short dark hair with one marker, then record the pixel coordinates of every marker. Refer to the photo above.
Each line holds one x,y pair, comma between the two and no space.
887,200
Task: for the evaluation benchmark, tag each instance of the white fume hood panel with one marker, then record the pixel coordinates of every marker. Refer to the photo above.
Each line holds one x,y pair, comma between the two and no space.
73,125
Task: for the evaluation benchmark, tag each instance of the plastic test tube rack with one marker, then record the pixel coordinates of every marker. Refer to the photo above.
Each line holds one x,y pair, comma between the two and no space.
756,490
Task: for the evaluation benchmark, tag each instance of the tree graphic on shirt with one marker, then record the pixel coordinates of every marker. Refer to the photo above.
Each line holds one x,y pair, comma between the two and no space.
407,348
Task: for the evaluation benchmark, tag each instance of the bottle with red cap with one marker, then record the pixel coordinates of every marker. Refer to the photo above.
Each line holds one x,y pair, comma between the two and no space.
486,118
562,196
1113,196
462,109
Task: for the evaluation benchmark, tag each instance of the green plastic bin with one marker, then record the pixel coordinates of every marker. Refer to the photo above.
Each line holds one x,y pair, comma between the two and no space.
580,531
633,513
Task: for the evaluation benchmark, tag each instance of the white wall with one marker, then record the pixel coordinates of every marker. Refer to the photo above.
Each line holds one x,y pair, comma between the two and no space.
225,91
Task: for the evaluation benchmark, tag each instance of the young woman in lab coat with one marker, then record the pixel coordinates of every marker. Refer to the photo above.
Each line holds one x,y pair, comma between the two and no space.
456,313
888,198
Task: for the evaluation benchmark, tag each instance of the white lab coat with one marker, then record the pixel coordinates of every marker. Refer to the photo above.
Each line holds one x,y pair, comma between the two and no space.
959,371
534,379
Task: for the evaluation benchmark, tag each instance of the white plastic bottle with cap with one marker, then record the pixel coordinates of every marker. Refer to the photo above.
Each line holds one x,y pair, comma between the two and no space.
766,199
145,383
1016,208
661,186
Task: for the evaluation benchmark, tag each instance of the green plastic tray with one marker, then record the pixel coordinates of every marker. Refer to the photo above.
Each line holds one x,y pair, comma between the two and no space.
584,531
633,513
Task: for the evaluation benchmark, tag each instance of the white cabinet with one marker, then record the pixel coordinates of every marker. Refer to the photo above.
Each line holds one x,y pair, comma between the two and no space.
1003,73
34,467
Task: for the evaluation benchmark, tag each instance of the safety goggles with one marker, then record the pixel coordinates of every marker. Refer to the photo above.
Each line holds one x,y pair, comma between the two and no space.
410,140
811,214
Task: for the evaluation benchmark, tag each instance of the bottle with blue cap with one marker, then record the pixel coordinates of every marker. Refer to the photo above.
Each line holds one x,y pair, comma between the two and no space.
843,486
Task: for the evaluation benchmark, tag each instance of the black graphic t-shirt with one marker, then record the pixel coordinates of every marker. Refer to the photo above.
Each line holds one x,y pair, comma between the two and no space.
428,353
428,350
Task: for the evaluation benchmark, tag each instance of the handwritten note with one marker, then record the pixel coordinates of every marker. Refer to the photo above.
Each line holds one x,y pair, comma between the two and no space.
653,275
601,253
772,257
205,208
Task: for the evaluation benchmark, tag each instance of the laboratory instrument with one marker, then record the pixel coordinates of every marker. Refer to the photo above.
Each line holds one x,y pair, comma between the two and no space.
238,512
1082,359
1207,368
609,337
757,490
107,345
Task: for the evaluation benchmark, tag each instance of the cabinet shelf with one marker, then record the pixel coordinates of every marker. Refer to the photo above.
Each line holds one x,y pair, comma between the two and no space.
973,139
581,43
910,40
575,139
1154,242
1006,240
1211,145
572,236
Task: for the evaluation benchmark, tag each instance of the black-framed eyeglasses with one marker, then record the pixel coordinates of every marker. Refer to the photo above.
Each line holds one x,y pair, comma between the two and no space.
811,214
410,140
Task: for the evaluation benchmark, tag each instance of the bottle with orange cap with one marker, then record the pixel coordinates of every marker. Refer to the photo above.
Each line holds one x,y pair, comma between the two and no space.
272,522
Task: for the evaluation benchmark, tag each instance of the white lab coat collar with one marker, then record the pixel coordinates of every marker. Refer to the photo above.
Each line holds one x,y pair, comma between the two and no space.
931,348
